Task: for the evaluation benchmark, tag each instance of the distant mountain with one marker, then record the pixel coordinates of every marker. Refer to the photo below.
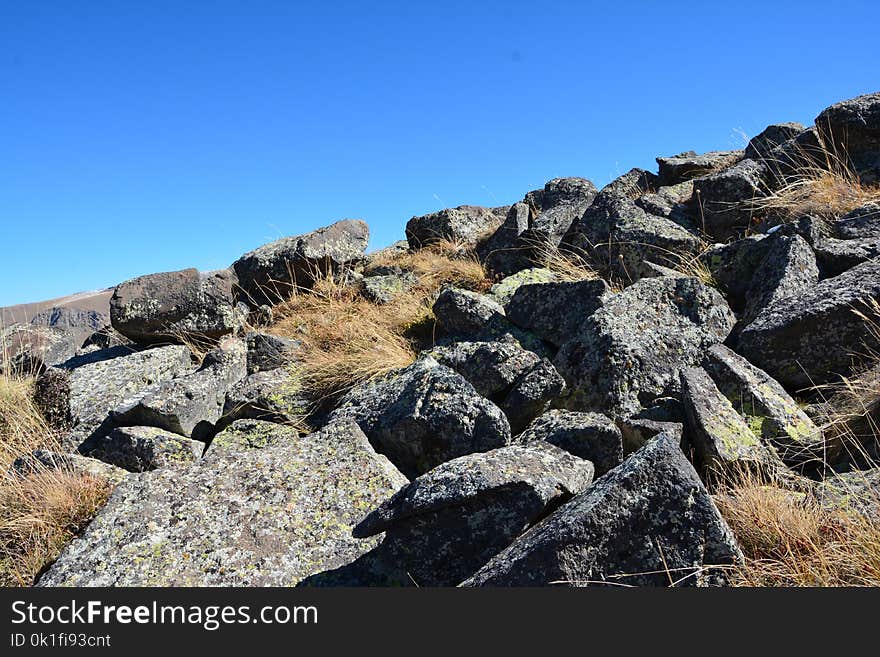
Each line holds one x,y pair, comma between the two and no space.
81,310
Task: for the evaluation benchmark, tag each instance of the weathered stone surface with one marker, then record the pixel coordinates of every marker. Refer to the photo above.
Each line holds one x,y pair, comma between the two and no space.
724,443
638,431
492,368
629,351
247,517
163,307
382,289
465,224
788,269
504,289
27,349
467,314
141,449
555,311
760,145
858,490
591,436
532,394
424,415
837,256
689,165
648,522
723,200
863,222
192,404
269,273
450,521
504,252
274,395
43,459
852,129
811,338
269,352
733,265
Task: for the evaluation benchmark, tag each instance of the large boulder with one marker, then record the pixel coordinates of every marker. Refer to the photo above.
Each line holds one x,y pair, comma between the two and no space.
590,436
173,305
267,516
648,522
732,266
630,351
465,224
851,130
271,272
863,222
689,165
463,313
764,142
724,201
836,256
813,337
503,290
424,415
450,521
274,395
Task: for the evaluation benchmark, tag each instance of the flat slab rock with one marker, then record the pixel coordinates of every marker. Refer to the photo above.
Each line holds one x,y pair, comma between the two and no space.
648,522
238,517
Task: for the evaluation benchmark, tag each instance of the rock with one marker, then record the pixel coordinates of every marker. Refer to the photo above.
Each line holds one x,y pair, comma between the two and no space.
723,200
172,305
851,129
465,224
532,394
141,449
492,368
863,222
765,405
733,265
268,352
792,159
383,289
248,434
42,459
811,338
563,200
26,349
467,314
424,415
856,491
788,269
81,393
504,289
190,405
79,319
271,272
637,431
590,436
648,522
837,256
105,338
770,137
670,201
249,517
447,523
629,351
725,445
555,311
504,252
274,395
689,165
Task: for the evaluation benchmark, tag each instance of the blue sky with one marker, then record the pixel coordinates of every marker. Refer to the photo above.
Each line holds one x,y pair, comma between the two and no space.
148,136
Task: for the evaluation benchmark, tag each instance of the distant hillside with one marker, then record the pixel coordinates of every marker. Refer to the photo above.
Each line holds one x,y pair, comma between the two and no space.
74,305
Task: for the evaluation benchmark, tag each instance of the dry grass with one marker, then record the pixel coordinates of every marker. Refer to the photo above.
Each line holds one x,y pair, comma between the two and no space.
39,512
569,266
349,339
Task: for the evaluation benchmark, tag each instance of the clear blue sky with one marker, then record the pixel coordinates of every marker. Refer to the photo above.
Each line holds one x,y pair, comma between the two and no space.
148,136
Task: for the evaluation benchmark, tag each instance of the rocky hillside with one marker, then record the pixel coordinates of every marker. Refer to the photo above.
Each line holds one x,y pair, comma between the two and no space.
555,392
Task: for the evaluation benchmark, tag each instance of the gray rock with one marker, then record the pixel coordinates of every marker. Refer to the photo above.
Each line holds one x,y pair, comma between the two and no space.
637,431
192,404
590,436
450,521
811,338
27,349
863,222
504,252
837,256
724,443
802,154
271,272
467,314
71,318
858,491
723,200
164,307
465,224
269,352
504,289
41,460
383,289
630,351
141,449
274,395
851,129
532,394
248,517
424,415
648,522
492,368
770,137
733,265
689,165
555,311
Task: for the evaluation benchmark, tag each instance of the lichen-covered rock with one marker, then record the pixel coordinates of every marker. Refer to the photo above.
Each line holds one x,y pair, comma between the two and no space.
760,145
467,314
723,200
590,436
504,289
27,349
464,224
630,350
424,415
637,431
141,449
382,289
269,352
858,491
247,434
732,266
165,307
689,165
852,128
274,395
504,253
555,311
863,222
41,459
813,337
724,443
648,522
249,517
837,256
450,521
190,405
271,272
765,405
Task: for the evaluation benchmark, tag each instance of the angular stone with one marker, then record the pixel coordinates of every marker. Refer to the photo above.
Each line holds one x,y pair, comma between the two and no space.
251,517
504,253
28,350
491,368
630,351
851,129
723,201
689,165
732,266
465,224
504,289
271,272
274,395
467,314
637,431
424,415
863,222
269,352
42,459
532,394
648,522
770,137
590,436
141,449
450,521
856,491
837,256
383,289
